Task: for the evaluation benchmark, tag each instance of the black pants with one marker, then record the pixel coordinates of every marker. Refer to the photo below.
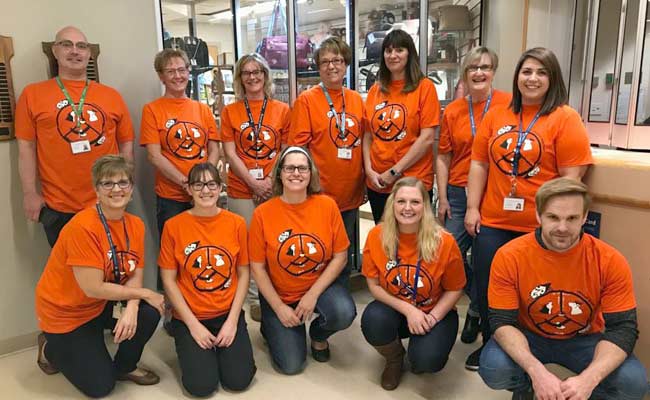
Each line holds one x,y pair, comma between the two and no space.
53,221
166,209
202,369
82,357
381,325
378,203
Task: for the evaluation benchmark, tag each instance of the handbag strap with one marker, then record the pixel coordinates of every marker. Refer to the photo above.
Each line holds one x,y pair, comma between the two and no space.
278,12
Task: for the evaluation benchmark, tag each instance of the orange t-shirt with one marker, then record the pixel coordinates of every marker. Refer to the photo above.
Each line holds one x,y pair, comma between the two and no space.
44,115
560,295
314,126
395,120
557,140
260,153
444,273
296,242
456,133
61,305
182,128
206,252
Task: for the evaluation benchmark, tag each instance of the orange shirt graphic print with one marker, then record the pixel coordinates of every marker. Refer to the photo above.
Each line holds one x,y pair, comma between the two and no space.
209,266
127,262
350,137
260,146
559,312
88,126
400,282
388,123
186,140
300,253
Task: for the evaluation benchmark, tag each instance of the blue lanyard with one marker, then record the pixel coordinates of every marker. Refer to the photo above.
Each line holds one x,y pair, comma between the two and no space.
111,244
472,124
340,124
520,141
418,268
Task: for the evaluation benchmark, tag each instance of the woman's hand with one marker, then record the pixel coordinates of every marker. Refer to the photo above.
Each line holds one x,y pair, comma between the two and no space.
387,178
374,179
287,316
126,325
226,334
202,336
419,322
306,306
444,210
155,299
473,221
258,187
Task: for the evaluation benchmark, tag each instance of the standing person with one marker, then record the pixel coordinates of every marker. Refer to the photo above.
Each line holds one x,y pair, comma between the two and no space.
95,268
458,129
178,133
63,125
204,269
253,130
298,246
415,273
558,295
328,120
403,111
538,137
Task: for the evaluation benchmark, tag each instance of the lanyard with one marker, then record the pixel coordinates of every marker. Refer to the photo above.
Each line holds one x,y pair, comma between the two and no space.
256,128
340,124
79,110
116,264
471,112
418,267
520,141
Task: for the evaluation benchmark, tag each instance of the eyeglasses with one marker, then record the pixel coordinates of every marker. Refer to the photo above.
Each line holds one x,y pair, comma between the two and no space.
476,68
289,169
174,71
198,186
337,62
255,73
69,45
110,185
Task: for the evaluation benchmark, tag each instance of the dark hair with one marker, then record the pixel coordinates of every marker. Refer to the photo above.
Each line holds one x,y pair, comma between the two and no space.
335,45
556,95
413,74
197,171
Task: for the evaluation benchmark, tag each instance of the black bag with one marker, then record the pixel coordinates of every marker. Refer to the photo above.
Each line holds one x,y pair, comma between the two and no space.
374,40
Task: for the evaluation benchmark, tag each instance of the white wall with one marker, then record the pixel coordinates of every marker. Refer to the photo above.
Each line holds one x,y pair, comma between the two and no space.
503,31
127,34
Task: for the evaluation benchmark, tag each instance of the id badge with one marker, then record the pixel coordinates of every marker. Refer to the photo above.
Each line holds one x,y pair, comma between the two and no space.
257,173
345,154
82,146
117,310
513,204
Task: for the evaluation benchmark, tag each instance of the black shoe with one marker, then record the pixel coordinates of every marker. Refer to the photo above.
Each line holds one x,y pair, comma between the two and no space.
523,395
472,360
320,355
470,329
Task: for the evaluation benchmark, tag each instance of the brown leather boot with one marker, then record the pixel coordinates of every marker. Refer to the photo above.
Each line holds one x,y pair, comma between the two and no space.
394,355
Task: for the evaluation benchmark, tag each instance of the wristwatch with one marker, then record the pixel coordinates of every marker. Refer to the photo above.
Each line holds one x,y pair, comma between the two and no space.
395,173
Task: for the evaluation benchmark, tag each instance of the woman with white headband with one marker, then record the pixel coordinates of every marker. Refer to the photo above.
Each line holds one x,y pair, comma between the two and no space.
297,249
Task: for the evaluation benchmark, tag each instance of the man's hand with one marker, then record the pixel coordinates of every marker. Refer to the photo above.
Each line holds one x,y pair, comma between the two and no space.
577,388
546,385
473,221
32,204
444,210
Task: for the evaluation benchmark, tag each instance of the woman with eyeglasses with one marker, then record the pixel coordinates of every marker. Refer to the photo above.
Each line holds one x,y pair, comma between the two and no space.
204,268
538,137
415,273
93,281
253,130
297,246
328,120
460,122
403,111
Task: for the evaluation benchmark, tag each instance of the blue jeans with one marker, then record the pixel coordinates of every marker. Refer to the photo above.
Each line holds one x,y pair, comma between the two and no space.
351,224
485,246
288,346
499,371
456,226
165,209
381,325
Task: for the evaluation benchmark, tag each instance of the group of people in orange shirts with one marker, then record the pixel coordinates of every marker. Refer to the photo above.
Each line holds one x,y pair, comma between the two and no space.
295,181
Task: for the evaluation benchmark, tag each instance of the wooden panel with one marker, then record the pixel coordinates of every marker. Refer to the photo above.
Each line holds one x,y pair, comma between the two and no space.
7,99
91,70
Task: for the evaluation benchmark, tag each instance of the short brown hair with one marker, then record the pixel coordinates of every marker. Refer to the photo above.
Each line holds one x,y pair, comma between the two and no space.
561,187
109,166
334,45
163,58
314,178
556,95
197,171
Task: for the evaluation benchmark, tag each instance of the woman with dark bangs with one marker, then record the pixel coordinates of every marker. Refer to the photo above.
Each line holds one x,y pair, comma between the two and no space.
403,111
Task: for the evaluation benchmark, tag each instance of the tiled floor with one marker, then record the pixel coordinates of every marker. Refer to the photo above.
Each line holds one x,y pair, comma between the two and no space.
352,373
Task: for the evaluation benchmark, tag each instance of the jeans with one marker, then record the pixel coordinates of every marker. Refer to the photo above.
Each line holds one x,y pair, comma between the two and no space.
288,346
499,371
456,226
53,221
202,370
485,246
381,325
82,357
378,203
351,224
165,209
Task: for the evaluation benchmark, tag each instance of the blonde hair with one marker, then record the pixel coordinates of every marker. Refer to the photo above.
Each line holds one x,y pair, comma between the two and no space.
429,231
561,187
237,84
475,55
